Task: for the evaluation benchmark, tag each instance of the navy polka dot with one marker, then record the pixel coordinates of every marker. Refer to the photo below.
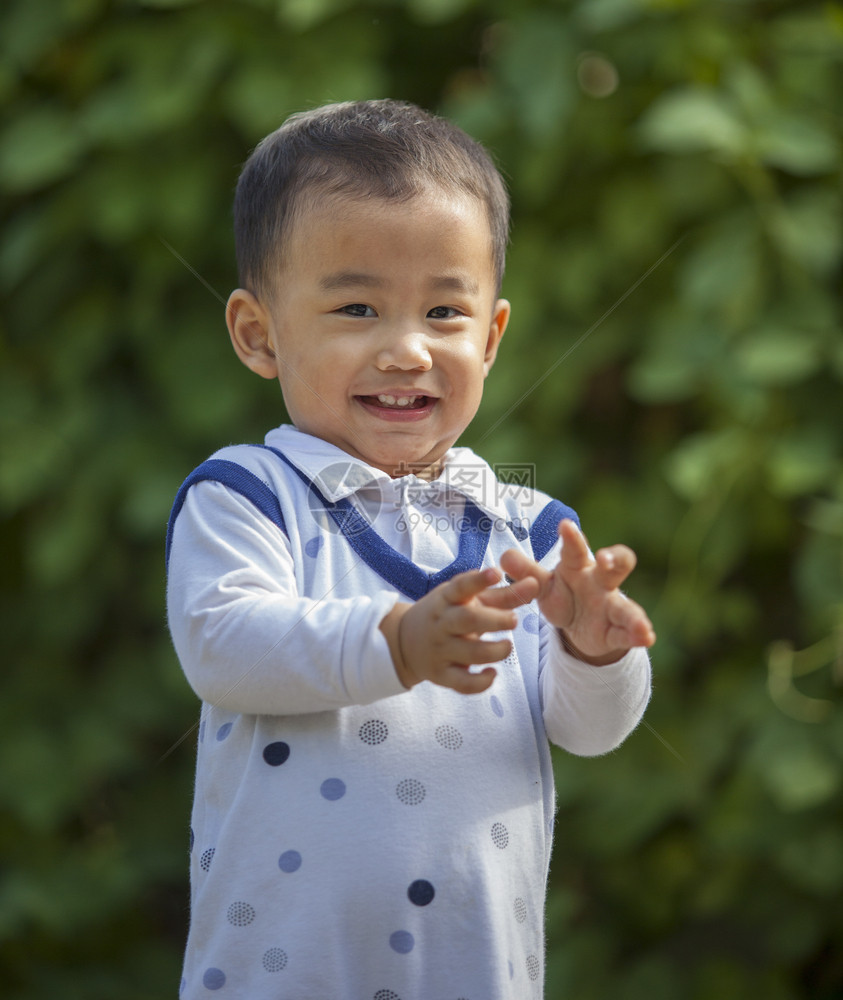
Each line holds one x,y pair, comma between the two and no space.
290,861
448,737
374,731
402,941
497,708
500,835
214,979
276,754
533,967
223,731
531,623
274,960
312,547
421,892
518,530
410,791
386,995
240,914
332,789
520,908
206,859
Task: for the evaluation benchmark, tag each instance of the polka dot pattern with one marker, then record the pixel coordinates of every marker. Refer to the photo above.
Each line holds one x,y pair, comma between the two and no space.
214,979
402,941
290,861
240,914
276,754
518,530
312,546
448,737
332,789
531,623
410,791
349,790
421,892
374,731
500,835
274,960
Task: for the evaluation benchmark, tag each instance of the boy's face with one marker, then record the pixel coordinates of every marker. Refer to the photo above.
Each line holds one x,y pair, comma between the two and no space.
383,323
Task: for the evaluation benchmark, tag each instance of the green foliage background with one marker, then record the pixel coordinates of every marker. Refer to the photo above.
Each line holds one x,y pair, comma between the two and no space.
673,368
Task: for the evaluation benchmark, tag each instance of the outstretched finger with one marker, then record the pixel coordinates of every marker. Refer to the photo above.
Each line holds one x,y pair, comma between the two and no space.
629,624
511,595
477,618
614,564
464,586
476,651
576,554
518,566
464,681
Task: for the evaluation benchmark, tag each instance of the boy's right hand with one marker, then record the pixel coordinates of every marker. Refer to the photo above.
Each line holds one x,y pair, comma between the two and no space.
439,637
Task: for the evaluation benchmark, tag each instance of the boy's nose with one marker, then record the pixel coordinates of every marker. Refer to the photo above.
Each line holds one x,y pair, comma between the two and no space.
405,352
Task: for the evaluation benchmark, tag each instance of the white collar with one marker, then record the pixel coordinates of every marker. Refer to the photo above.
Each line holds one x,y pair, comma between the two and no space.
338,474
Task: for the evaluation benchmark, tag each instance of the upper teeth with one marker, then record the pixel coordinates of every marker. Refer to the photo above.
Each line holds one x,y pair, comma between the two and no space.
399,400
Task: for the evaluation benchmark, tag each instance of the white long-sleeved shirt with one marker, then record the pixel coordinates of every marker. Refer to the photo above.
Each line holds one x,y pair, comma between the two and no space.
351,838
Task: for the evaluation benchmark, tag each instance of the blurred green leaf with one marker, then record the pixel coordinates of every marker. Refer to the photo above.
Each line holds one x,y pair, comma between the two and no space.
697,466
38,147
776,356
693,120
802,461
808,228
798,145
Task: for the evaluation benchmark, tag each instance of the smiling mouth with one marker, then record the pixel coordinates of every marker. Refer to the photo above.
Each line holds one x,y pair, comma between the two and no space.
398,402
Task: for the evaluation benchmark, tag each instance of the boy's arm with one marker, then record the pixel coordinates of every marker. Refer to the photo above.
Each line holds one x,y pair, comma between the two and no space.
596,681
247,641
590,710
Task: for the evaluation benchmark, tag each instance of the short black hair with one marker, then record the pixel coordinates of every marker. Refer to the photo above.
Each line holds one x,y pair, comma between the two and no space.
383,148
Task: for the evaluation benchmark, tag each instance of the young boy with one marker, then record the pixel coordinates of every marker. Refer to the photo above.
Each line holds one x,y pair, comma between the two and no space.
374,800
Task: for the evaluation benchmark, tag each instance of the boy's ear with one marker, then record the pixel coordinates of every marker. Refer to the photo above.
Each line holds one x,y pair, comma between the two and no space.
500,318
248,326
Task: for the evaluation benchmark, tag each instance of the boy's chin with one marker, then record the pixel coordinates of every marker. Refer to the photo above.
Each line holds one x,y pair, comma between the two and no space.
403,464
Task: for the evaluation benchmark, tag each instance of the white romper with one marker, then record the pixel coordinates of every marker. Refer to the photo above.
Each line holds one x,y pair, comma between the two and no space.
351,840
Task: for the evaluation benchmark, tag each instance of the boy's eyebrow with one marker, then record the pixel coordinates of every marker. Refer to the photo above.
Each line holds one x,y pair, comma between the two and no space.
349,279
360,279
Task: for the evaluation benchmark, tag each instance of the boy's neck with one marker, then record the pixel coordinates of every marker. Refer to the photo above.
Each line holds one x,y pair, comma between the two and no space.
426,472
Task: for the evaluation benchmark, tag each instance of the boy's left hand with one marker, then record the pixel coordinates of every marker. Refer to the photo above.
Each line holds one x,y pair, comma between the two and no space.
581,597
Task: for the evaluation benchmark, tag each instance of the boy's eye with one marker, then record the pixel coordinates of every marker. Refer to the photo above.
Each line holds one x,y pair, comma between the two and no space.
358,309
443,312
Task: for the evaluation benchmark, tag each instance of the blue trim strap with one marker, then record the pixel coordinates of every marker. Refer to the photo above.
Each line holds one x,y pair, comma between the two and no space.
236,478
545,528
393,567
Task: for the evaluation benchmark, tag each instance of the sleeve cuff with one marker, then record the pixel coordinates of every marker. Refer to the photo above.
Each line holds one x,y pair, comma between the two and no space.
590,710
366,661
